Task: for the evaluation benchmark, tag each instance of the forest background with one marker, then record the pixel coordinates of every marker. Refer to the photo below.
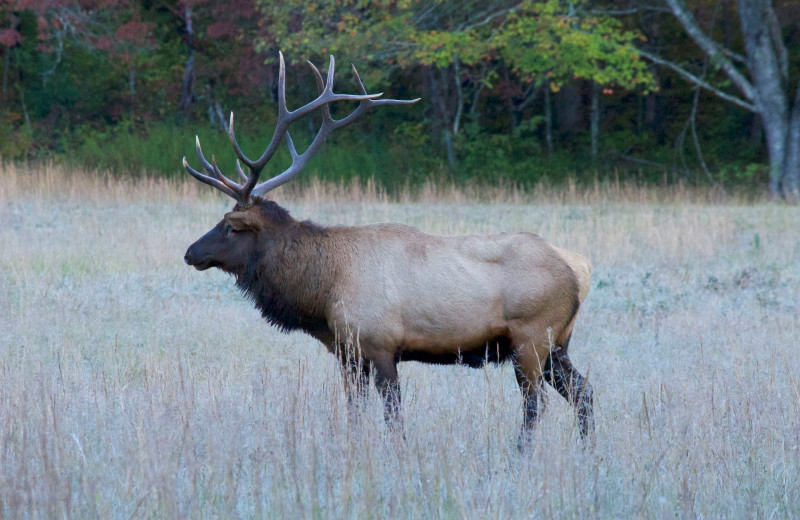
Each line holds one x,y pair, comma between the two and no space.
519,92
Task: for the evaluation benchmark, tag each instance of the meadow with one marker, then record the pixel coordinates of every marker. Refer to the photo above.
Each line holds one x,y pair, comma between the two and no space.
132,386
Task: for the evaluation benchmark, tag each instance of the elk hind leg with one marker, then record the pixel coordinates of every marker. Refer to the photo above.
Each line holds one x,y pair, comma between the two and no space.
388,385
562,375
529,358
355,373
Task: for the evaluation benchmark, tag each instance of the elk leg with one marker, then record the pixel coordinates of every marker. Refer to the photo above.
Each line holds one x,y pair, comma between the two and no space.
355,374
559,372
388,385
532,394
530,352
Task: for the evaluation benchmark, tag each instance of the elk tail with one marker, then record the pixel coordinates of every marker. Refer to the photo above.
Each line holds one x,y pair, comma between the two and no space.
582,270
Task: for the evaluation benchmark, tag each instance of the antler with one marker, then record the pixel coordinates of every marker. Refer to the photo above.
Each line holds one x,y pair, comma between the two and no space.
243,192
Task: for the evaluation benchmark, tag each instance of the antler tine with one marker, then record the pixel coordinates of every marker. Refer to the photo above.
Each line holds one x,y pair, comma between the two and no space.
226,181
358,79
208,180
206,165
284,120
239,170
323,87
374,102
281,87
292,149
369,103
318,77
329,81
236,149
212,170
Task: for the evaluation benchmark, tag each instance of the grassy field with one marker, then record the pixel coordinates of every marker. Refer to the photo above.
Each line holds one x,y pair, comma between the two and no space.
132,386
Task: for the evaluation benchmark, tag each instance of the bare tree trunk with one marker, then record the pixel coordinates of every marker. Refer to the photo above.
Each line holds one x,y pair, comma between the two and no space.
766,91
448,144
512,114
223,122
568,106
441,113
594,117
766,62
459,95
548,119
7,65
25,114
791,177
187,96
132,84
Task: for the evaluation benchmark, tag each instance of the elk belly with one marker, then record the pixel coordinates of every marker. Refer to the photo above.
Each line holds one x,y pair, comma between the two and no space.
453,306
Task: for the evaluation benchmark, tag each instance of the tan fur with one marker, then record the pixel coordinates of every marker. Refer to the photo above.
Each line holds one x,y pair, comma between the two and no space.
403,289
583,272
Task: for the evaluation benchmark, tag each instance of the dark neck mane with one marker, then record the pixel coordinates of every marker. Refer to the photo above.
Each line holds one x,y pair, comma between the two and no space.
288,276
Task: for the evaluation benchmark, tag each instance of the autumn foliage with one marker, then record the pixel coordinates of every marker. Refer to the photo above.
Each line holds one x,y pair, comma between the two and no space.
514,89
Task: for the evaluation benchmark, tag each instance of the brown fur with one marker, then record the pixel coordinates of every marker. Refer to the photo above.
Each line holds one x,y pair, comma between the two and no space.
384,293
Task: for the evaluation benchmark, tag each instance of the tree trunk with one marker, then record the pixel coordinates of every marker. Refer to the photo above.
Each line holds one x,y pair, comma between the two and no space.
512,113
595,118
767,67
459,95
438,92
548,119
791,175
132,85
7,65
26,116
568,106
766,91
448,144
187,96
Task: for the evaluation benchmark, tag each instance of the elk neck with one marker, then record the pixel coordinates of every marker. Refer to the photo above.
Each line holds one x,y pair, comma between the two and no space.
291,272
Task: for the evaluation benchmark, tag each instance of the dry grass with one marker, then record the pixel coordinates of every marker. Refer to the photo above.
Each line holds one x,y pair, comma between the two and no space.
133,386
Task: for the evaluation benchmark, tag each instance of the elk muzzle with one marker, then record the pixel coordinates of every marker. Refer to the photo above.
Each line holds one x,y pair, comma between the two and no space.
196,259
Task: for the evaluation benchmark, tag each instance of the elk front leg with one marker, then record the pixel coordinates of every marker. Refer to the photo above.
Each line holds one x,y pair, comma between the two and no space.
388,385
532,389
573,387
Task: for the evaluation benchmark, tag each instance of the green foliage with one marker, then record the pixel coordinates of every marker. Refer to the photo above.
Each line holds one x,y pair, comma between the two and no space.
159,147
104,91
552,38
15,143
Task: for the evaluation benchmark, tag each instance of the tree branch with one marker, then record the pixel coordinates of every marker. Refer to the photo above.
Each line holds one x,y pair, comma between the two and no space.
489,17
711,48
698,81
624,12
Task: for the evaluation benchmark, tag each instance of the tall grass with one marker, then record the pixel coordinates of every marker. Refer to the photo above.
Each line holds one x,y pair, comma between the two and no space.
134,387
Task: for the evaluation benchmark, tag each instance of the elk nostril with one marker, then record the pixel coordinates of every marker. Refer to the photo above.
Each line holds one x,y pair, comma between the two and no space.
186,258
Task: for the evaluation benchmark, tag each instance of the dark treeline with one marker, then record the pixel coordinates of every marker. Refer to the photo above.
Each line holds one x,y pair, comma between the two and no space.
520,91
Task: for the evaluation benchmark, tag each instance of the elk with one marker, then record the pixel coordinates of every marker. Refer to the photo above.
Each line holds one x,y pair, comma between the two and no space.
394,292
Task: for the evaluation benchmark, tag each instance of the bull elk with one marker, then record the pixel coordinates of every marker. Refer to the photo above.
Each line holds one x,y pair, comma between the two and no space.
402,294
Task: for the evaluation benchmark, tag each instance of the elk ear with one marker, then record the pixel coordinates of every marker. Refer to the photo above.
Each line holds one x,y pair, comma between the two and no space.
242,221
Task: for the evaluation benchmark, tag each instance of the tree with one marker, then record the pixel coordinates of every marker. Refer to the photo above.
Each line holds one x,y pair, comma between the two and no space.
447,43
762,77
460,46
550,42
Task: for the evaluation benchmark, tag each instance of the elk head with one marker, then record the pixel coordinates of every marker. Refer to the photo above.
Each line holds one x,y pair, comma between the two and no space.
230,243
